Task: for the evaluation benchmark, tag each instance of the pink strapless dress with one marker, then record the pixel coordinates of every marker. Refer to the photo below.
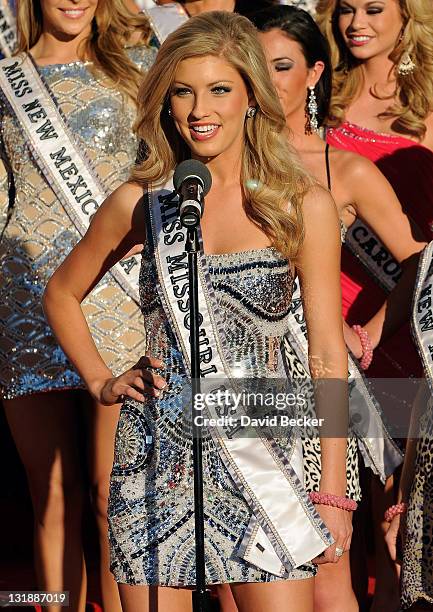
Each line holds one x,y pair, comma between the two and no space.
408,166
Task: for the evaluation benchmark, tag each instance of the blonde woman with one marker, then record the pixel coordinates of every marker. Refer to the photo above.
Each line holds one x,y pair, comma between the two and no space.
75,53
209,96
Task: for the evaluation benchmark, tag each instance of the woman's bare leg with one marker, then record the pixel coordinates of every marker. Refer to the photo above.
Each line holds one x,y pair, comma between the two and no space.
154,599
284,596
102,423
281,596
44,428
225,598
333,589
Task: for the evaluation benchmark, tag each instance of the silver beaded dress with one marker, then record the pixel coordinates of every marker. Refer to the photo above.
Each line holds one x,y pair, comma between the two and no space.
37,234
151,519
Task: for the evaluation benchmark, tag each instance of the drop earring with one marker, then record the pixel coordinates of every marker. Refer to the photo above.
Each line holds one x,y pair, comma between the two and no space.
311,125
406,65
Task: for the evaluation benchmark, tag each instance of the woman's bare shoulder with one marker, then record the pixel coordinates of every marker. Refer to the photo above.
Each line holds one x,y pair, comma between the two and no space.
128,193
124,204
348,164
318,200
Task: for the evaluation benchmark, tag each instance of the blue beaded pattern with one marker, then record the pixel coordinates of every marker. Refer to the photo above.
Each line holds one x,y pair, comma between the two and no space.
151,519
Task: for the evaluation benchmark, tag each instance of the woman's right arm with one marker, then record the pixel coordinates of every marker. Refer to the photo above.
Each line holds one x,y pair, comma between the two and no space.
115,229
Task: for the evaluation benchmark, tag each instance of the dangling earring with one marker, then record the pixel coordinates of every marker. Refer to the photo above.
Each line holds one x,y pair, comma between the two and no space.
251,112
406,65
311,125
169,111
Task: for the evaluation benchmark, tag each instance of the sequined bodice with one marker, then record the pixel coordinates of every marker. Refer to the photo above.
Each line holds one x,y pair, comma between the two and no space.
252,290
100,119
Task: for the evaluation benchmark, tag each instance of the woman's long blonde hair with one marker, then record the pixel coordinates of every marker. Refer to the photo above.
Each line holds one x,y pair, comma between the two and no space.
112,29
271,175
413,100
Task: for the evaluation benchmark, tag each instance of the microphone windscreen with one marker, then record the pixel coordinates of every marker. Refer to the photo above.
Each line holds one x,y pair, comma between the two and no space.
191,168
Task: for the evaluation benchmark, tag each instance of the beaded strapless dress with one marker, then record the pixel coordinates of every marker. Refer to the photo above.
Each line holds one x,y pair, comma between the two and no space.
37,234
151,506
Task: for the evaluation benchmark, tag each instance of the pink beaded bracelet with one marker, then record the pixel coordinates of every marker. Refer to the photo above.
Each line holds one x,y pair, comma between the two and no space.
327,499
394,510
366,345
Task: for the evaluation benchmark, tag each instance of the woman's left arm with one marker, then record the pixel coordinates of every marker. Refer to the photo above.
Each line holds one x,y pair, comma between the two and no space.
377,205
318,268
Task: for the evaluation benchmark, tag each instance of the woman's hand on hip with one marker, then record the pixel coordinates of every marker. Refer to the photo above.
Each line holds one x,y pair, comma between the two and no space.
136,383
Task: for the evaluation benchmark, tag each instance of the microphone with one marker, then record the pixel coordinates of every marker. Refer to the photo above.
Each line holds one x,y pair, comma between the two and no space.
192,181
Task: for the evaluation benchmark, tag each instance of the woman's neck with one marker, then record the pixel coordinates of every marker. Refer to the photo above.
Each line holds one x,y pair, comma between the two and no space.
225,168
299,140
50,50
195,7
378,72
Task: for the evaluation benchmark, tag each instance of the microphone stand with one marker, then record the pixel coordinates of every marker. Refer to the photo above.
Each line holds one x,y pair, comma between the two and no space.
201,596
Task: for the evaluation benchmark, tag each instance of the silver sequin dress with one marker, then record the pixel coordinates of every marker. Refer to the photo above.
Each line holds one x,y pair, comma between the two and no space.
39,234
151,520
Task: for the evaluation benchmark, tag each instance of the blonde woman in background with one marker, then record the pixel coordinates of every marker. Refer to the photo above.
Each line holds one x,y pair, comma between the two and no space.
381,107
80,49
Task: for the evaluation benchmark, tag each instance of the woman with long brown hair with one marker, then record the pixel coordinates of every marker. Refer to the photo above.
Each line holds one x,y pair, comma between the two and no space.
78,56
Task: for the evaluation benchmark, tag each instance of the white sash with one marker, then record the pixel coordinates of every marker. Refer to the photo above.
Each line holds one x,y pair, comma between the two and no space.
8,29
422,315
378,449
373,255
285,531
164,18
65,167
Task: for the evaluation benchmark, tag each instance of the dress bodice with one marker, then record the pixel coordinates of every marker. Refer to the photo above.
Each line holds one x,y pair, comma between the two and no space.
252,290
99,116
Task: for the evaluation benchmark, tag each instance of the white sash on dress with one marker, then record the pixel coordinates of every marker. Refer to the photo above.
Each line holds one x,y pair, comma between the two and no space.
373,255
378,449
163,18
65,166
286,531
8,29
422,314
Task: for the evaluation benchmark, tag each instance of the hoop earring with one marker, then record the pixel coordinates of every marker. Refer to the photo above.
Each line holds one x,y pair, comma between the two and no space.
311,125
251,112
406,65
